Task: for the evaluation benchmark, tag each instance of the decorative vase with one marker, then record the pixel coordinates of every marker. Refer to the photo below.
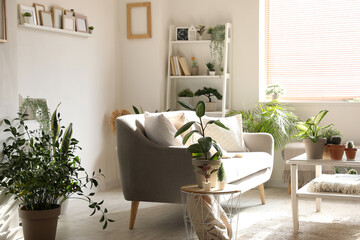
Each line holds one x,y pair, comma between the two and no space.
350,153
210,106
194,71
314,150
336,151
91,31
207,186
188,100
212,73
221,185
214,164
39,224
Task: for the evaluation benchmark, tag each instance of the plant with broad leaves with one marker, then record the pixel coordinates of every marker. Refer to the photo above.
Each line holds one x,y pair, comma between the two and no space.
311,129
201,149
41,170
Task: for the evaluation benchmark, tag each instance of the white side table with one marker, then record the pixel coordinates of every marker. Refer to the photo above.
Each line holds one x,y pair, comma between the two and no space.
303,192
211,214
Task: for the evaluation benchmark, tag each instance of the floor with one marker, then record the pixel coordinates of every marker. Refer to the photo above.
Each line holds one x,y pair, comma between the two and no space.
256,221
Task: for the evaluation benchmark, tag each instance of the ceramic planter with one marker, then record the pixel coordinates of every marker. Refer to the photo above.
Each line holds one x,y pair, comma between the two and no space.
27,20
188,100
210,106
221,185
336,151
314,150
350,153
207,186
214,164
275,96
39,224
212,73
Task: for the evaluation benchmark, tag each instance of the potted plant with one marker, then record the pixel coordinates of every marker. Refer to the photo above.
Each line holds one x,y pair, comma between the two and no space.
27,17
328,133
350,150
217,43
91,29
221,177
310,132
336,149
211,68
205,164
41,170
209,92
186,95
200,30
275,90
194,68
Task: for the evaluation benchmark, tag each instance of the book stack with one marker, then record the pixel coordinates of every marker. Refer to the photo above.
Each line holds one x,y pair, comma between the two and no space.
179,66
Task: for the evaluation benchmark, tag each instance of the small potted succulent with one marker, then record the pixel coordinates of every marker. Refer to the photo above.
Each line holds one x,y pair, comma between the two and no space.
209,92
186,95
27,17
205,164
310,132
211,68
200,30
221,177
336,149
328,133
275,90
91,29
350,150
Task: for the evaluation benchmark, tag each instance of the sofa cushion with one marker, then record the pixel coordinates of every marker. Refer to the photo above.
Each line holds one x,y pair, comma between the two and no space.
160,130
250,162
231,140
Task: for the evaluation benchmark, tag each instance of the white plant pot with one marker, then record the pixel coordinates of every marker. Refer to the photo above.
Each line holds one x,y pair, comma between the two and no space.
207,186
210,106
221,185
188,100
200,178
27,20
275,96
212,73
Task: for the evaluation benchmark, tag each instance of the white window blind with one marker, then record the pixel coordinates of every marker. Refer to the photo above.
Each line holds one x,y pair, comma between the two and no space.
313,48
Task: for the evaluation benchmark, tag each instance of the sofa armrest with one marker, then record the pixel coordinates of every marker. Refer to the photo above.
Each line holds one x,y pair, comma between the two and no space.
259,142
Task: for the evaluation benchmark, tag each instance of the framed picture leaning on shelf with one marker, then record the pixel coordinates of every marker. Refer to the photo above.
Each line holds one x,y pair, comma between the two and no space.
30,12
46,19
3,23
38,7
68,23
81,23
58,13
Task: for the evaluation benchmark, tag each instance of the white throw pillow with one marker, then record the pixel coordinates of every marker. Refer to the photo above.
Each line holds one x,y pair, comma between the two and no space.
160,130
231,140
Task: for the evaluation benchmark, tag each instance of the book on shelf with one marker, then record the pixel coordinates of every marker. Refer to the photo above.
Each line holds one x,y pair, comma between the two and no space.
179,66
173,72
184,65
178,69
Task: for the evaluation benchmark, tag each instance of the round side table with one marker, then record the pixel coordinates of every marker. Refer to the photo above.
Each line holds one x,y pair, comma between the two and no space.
211,214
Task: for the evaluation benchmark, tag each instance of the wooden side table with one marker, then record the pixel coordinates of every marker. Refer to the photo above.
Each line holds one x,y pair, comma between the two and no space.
211,214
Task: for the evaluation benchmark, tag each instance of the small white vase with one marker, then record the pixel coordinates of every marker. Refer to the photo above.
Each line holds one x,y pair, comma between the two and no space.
27,20
221,185
207,186
212,73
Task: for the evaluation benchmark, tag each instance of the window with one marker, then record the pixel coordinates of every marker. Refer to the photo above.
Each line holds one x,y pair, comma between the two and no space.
313,48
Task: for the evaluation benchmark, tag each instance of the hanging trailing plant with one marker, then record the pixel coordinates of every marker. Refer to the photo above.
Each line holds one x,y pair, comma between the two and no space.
217,44
39,109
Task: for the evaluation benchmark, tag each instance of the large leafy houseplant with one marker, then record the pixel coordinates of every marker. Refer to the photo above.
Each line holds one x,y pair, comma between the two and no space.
41,169
273,118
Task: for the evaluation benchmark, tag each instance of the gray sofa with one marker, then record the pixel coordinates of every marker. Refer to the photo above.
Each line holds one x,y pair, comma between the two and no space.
155,173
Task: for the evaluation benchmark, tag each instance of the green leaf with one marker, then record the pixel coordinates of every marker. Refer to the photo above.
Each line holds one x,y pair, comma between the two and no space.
320,116
205,144
216,156
186,105
105,225
102,218
111,220
200,109
218,123
54,125
188,135
195,148
136,110
67,138
7,122
184,128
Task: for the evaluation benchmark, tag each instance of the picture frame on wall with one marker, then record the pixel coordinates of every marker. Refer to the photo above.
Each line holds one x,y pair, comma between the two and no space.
138,20
182,33
46,19
81,24
38,7
3,22
27,9
69,13
68,23
58,13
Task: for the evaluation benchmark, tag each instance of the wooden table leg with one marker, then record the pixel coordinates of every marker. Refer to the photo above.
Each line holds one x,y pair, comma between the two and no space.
318,171
294,198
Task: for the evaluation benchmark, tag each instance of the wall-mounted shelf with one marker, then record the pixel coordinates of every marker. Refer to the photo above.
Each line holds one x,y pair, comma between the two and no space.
191,42
220,77
56,30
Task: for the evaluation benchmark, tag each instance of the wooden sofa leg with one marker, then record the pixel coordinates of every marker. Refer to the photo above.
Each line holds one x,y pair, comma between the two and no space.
134,208
262,193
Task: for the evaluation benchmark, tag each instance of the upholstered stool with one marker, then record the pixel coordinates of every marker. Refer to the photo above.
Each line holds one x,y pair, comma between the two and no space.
306,173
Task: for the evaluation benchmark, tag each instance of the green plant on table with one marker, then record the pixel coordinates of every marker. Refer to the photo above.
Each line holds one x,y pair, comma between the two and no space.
273,118
329,132
210,66
335,140
350,144
273,89
41,169
208,92
200,150
310,129
186,93
221,173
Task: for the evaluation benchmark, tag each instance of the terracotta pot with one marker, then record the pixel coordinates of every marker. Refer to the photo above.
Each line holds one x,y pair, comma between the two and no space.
336,151
314,150
200,178
350,153
326,154
39,224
